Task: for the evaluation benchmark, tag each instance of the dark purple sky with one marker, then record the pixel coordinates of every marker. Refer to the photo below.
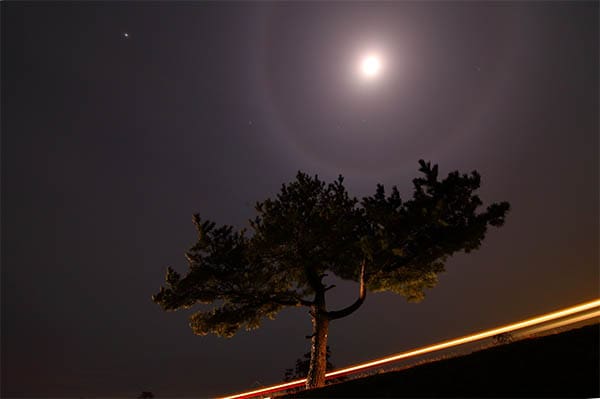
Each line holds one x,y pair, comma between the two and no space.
109,144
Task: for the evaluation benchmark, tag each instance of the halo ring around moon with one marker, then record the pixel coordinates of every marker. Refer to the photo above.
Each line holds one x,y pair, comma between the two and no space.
291,140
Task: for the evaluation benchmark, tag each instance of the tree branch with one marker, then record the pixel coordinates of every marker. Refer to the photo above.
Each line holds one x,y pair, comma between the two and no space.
362,295
304,302
292,302
313,279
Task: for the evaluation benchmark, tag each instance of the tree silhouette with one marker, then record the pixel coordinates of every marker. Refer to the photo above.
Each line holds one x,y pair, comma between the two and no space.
303,365
312,229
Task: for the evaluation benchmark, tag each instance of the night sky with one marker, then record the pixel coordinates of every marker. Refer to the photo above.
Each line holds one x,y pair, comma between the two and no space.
110,142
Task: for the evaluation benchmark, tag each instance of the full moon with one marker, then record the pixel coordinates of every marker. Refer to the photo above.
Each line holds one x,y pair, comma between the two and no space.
370,66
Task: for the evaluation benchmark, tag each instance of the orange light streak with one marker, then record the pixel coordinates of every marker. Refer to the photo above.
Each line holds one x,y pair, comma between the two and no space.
432,348
560,323
273,388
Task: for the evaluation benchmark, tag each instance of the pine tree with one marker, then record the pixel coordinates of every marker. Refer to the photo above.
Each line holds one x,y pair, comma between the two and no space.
311,230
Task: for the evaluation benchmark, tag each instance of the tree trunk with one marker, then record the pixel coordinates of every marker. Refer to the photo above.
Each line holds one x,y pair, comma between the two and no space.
320,321
318,350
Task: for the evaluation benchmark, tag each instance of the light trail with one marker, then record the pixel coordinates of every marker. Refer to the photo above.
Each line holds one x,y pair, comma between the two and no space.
470,338
264,391
427,349
560,323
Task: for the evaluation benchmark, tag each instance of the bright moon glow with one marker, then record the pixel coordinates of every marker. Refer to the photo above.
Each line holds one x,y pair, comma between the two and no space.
371,66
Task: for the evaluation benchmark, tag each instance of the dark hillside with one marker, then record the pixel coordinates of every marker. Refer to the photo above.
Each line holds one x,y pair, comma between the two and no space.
560,365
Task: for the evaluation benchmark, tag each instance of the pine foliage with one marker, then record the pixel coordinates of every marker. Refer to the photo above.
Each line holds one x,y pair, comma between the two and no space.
312,229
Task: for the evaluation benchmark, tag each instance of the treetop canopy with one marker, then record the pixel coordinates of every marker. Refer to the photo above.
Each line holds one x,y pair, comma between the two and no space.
312,229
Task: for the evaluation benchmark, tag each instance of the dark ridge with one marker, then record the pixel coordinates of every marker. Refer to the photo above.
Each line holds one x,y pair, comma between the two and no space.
559,365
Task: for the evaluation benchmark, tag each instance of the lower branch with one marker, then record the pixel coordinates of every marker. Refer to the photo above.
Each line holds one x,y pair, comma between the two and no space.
292,302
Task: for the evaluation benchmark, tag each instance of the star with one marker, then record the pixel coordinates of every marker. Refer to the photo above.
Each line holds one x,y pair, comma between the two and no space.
125,35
